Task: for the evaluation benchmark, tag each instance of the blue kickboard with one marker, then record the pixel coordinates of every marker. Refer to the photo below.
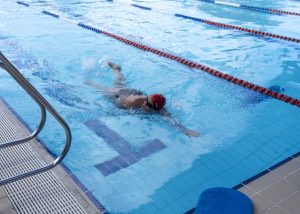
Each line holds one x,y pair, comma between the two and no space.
221,200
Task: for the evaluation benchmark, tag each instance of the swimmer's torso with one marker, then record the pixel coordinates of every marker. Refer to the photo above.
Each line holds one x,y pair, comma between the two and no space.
129,98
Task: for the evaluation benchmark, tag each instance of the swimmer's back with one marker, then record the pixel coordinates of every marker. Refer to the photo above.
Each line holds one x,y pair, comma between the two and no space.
123,93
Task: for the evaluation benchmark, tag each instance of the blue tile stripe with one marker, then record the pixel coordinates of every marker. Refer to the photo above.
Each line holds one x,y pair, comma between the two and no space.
112,138
89,194
127,156
127,159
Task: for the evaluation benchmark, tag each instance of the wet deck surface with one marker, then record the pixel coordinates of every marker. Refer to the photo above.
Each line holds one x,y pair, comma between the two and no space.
278,191
49,192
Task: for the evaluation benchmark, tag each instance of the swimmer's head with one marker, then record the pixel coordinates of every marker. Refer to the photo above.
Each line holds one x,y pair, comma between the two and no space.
156,101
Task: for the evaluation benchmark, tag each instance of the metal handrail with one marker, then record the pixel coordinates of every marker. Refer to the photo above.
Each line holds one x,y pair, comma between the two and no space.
42,120
43,103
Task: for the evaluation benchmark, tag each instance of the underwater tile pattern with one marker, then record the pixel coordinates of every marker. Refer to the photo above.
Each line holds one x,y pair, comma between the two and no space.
127,156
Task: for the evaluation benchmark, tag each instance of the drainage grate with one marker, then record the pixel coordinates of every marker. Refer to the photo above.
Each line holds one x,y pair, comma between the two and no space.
42,193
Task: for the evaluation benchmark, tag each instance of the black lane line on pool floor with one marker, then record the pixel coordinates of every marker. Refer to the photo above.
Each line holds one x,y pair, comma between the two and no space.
127,155
198,66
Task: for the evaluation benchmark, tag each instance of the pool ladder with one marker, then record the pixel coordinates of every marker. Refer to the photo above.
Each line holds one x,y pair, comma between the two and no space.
44,105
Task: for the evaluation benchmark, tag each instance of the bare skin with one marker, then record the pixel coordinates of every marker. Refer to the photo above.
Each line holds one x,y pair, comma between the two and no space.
136,101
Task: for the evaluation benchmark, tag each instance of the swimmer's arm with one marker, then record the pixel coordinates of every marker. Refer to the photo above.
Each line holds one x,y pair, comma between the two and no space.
167,116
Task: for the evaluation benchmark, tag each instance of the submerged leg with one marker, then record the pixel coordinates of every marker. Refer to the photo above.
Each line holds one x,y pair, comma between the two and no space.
107,91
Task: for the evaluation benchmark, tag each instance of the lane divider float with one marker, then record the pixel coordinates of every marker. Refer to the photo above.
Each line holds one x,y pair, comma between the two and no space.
141,7
50,14
198,66
23,3
253,8
228,26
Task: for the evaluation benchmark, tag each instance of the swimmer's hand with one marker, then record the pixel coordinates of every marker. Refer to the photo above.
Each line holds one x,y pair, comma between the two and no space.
191,133
114,67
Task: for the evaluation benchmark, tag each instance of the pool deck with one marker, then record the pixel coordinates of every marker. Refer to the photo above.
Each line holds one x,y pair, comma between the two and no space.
53,191
278,191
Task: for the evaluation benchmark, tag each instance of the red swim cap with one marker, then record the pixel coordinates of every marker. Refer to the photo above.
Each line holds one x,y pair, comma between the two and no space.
158,101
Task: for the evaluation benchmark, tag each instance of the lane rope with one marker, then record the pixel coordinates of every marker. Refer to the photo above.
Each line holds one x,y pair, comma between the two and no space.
50,14
23,3
253,8
141,7
191,64
228,26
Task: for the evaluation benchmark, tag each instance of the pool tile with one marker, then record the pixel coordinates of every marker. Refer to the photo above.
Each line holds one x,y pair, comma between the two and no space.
129,157
113,139
126,156
176,207
286,167
228,179
236,173
149,209
159,202
291,204
165,194
174,190
294,178
149,148
264,181
261,204
121,161
221,163
246,190
190,181
186,202
113,167
215,165
276,210
279,191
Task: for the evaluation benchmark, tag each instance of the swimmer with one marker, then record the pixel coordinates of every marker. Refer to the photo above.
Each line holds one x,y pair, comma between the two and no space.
129,98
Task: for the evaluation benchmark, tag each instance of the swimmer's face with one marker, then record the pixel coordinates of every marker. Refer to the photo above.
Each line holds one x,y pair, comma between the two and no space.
148,105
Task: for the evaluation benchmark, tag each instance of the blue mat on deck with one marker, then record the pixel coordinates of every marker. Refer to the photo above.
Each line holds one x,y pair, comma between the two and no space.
220,200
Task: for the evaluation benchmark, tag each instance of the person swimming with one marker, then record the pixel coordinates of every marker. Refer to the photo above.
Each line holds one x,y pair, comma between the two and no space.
129,98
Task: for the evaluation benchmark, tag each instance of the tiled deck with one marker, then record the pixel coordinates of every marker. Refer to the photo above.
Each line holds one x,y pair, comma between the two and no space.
49,192
277,192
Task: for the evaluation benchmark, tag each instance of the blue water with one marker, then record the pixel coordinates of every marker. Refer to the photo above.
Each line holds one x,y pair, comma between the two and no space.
242,132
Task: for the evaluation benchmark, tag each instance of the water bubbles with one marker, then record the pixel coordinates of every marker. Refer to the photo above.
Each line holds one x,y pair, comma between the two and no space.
88,64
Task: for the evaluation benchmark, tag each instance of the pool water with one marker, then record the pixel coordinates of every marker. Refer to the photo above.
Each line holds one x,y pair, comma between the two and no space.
139,163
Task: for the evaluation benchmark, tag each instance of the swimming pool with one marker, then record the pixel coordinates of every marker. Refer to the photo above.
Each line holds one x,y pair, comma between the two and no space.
242,132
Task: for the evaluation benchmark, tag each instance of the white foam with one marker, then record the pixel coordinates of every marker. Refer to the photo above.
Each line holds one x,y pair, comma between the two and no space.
88,64
228,4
